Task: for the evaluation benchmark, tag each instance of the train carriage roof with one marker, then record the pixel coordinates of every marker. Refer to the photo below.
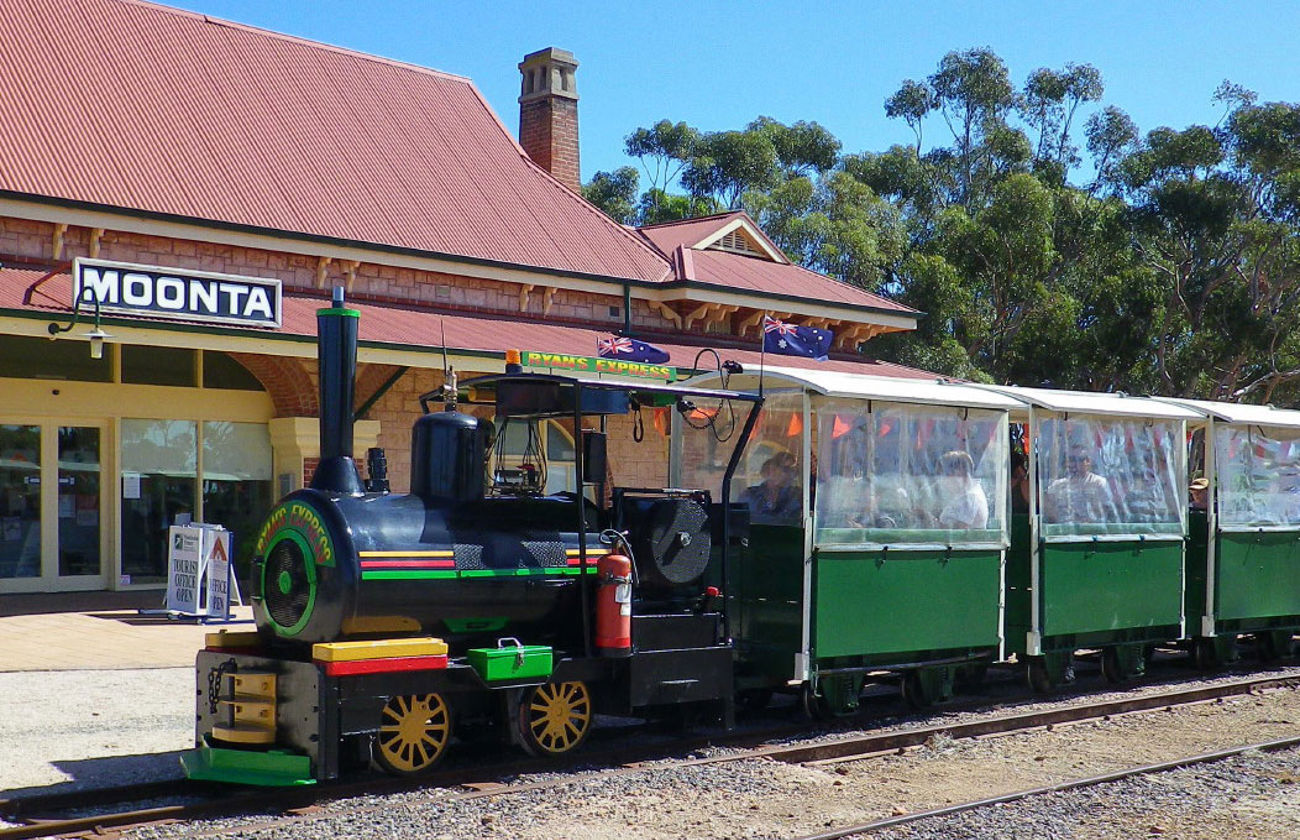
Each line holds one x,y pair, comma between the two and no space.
1082,402
833,383
1238,413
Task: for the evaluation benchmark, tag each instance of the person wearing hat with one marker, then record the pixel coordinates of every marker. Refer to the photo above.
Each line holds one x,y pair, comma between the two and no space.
1200,492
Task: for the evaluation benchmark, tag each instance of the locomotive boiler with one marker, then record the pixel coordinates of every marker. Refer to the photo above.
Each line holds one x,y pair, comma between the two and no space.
485,593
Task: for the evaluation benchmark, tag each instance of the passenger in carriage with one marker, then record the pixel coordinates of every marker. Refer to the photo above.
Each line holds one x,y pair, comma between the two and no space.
966,505
1081,496
777,500
1019,482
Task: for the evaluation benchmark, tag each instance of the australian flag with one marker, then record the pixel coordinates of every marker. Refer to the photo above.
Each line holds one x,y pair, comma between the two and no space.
792,340
630,350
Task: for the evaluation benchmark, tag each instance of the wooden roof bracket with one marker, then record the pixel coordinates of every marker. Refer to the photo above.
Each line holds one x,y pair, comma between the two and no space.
667,311
60,228
350,272
525,289
96,235
322,271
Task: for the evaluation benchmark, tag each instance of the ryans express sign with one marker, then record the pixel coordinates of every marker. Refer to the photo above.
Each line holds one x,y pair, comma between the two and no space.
183,295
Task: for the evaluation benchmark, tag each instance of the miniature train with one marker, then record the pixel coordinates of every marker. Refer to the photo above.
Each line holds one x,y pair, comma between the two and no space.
388,621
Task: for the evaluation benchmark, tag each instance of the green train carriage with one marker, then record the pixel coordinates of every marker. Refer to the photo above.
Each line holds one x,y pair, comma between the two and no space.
1243,558
1097,561
859,565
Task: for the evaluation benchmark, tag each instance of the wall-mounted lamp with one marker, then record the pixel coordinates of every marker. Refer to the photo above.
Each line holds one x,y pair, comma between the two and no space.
96,335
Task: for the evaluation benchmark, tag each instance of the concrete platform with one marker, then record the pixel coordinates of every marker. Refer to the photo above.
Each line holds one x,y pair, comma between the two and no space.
99,631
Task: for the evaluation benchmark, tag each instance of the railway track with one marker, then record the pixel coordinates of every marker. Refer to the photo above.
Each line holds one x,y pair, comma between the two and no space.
91,813
1073,784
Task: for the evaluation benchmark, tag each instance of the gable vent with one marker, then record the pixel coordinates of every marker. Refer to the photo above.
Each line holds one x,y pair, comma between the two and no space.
737,243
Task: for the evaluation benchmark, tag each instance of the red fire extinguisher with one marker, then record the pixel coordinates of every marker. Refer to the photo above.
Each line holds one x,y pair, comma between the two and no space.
614,605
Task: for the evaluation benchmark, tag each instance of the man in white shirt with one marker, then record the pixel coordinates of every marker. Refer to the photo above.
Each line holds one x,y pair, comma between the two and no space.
1082,495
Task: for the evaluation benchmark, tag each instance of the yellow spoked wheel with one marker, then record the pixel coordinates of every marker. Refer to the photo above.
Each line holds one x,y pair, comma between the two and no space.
555,718
413,733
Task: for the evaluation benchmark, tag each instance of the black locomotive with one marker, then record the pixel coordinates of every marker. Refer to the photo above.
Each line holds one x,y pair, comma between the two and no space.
483,594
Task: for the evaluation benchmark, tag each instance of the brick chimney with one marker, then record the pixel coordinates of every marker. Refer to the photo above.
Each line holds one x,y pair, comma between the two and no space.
548,113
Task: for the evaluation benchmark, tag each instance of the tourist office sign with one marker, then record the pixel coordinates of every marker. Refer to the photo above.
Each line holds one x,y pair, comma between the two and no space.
176,294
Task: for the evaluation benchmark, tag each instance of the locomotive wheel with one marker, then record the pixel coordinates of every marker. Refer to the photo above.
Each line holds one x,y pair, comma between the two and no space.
554,718
413,733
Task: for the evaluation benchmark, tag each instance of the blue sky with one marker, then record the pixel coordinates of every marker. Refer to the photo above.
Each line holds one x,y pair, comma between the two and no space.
718,65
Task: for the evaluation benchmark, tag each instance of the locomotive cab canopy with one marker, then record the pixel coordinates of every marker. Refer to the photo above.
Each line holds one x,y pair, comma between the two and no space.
671,532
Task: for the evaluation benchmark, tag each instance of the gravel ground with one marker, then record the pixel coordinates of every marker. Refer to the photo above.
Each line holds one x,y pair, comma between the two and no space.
1253,796
112,727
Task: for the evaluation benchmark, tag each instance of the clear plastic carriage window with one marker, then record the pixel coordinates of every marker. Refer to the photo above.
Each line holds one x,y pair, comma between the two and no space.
896,474
1109,476
1258,477
769,478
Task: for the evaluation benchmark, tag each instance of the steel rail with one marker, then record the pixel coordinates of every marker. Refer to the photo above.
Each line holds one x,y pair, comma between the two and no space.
1074,784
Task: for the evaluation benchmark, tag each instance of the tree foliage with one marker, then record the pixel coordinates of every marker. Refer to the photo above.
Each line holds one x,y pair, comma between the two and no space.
1168,262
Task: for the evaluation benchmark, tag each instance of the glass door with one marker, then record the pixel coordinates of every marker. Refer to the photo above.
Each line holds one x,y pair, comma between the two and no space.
51,507
20,510
80,546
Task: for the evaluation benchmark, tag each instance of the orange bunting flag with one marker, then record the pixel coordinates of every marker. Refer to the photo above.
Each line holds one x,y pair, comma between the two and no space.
661,421
840,428
796,425
700,415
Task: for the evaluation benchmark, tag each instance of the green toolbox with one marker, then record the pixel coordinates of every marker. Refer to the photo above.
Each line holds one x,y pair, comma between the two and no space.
510,660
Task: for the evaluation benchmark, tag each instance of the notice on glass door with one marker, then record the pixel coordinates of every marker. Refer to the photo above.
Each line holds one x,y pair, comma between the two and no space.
130,485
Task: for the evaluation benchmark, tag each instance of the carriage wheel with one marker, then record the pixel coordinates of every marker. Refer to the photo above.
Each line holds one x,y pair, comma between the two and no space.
1205,657
1040,679
413,734
815,706
554,718
1112,667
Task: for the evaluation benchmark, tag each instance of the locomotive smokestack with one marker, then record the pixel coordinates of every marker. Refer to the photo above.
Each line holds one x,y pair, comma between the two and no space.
336,350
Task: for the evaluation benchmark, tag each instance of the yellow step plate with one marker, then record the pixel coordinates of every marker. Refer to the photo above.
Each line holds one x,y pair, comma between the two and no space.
228,639
377,649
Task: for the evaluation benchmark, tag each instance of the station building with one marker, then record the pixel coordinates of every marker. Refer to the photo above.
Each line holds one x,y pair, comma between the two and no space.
180,194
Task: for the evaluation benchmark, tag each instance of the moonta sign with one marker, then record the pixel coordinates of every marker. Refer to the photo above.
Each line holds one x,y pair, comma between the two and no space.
198,296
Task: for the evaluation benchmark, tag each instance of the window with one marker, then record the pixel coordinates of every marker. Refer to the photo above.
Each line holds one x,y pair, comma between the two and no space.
1110,475
1259,477
237,482
898,474
148,365
159,471
40,358
221,371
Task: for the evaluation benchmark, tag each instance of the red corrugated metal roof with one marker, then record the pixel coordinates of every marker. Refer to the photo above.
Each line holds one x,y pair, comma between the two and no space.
39,292
687,232
739,271
142,107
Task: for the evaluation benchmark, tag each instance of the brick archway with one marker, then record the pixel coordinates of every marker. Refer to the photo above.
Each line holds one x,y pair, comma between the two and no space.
288,381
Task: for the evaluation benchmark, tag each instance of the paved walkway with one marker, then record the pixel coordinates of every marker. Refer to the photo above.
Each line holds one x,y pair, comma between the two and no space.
99,630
